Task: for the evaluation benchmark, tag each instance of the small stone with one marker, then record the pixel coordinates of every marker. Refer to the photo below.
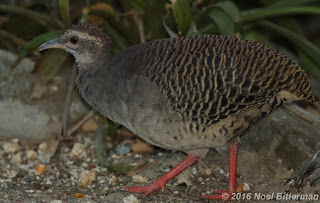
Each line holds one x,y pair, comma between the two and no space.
109,145
86,178
17,158
130,199
31,155
78,150
48,147
205,171
27,179
41,168
12,174
185,177
176,192
56,201
11,147
85,165
38,91
124,132
141,147
90,125
246,187
78,195
140,179
54,88
122,150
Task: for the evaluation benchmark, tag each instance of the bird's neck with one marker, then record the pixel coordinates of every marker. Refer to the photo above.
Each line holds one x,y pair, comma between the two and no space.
98,82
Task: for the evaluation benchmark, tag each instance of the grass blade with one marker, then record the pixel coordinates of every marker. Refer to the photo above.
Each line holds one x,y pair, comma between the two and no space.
309,48
34,44
182,14
139,5
230,8
64,11
224,22
286,3
41,18
261,13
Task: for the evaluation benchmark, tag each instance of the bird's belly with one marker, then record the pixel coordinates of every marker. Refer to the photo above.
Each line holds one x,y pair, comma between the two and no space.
179,135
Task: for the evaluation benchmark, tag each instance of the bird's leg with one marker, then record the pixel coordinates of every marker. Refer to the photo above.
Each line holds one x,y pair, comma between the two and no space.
227,195
162,181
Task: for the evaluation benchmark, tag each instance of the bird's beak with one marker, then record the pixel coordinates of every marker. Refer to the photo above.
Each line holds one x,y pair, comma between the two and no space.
51,44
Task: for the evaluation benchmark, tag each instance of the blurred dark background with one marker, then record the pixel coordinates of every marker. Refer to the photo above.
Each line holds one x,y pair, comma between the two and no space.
290,26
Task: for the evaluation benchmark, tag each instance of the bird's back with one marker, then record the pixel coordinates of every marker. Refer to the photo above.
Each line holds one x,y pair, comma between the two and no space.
210,79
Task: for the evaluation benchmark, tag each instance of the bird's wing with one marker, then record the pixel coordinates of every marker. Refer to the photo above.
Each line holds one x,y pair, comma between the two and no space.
211,77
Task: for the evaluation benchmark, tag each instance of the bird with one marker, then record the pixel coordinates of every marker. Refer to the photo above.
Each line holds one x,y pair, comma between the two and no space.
189,93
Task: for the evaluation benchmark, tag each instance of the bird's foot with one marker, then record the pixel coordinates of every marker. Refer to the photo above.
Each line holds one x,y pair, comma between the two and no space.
224,195
162,181
147,189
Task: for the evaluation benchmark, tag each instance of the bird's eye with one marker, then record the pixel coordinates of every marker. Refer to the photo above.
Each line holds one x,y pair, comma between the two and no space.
74,40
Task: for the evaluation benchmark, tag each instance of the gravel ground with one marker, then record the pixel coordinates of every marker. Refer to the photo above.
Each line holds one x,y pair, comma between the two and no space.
26,175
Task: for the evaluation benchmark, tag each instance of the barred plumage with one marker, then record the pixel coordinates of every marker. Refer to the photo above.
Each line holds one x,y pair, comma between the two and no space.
188,93
207,79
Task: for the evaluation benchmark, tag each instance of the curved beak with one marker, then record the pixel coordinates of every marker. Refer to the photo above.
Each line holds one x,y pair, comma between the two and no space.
51,44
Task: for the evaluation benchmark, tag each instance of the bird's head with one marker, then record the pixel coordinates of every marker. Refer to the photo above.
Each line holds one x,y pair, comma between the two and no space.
84,41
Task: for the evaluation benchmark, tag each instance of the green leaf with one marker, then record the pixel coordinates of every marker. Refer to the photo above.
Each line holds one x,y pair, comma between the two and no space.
261,13
64,11
139,5
224,22
310,49
152,18
34,44
230,8
41,18
112,128
291,3
50,62
182,14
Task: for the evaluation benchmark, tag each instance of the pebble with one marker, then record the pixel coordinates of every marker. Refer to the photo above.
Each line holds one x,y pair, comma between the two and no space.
11,147
85,165
130,199
78,150
86,178
56,201
140,179
41,168
17,158
185,177
126,133
141,147
31,155
122,150
90,125
48,147
54,88
206,171
246,187
12,174
38,91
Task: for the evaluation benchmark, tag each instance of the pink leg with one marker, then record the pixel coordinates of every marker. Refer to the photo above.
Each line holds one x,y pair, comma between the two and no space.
226,195
162,181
